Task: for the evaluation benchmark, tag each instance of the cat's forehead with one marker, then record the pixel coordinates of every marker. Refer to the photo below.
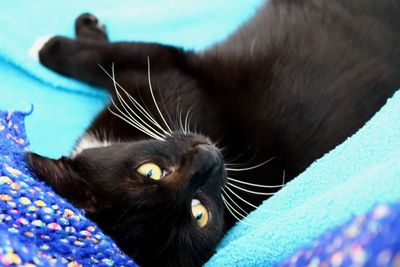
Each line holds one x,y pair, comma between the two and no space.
175,144
191,139
176,141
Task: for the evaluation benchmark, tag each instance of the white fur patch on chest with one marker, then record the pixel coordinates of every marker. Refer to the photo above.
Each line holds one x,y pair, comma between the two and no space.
89,141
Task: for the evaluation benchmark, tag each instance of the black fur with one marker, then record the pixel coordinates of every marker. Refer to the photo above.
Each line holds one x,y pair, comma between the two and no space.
291,84
150,220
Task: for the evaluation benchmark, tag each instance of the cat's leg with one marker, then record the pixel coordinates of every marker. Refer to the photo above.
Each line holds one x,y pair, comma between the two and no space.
82,57
88,26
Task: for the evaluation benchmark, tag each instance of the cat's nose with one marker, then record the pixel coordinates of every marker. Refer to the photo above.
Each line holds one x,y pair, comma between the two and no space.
208,156
207,162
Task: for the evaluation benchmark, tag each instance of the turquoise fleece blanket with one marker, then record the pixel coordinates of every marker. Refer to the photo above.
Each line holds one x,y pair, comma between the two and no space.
350,180
64,107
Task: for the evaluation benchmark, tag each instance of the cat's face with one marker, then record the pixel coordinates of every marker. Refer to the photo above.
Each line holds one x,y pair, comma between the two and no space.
160,200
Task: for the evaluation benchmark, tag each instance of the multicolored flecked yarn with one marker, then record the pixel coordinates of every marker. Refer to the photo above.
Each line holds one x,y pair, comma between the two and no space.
37,227
369,240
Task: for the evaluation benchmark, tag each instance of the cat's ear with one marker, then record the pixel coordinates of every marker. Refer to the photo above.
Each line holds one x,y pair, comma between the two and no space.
61,175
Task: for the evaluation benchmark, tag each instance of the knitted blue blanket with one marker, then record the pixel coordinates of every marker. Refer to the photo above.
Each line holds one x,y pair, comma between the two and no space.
38,228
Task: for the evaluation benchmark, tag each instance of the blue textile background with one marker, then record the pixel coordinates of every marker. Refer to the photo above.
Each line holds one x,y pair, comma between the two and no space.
63,107
352,179
37,227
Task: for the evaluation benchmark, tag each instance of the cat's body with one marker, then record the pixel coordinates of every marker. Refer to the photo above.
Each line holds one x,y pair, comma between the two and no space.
289,85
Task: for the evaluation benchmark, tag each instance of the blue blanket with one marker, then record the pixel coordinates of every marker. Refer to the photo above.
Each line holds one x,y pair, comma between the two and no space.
352,179
38,228
64,107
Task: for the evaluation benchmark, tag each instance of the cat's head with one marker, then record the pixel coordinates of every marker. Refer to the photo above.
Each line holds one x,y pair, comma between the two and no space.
160,200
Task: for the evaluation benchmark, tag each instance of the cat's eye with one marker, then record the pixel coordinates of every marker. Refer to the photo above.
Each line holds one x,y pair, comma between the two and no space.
200,213
151,171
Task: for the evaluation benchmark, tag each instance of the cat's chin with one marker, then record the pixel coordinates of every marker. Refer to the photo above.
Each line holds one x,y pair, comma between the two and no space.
40,42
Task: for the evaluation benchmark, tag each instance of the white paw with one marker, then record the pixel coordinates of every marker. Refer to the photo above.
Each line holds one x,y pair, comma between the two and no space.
37,45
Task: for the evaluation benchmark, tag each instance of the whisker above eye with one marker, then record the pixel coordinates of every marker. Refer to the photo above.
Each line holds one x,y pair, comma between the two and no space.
129,115
128,109
166,110
144,112
132,124
180,122
152,95
186,129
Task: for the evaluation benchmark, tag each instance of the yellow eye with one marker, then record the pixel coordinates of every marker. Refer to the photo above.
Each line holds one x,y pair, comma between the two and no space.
200,213
150,170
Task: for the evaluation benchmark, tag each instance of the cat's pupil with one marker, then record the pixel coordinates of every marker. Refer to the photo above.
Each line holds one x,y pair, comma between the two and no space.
149,173
199,216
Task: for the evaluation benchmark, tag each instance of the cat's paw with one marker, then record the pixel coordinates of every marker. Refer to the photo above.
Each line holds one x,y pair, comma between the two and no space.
54,52
88,26
40,42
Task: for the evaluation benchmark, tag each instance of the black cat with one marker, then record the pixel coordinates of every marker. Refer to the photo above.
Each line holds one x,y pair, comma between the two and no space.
287,87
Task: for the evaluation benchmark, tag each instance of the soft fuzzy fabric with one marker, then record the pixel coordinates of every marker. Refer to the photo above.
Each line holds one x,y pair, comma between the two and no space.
356,176
351,180
38,228
64,107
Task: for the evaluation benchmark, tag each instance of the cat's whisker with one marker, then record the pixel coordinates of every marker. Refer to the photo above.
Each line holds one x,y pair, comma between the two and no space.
241,218
126,106
180,122
145,127
250,191
135,103
250,168
133,122
233,201
248,203
195,128
239,197
133,116
230,209
253,184
152,95
178,112
233,164
237,156
145,113
166,110
187,120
